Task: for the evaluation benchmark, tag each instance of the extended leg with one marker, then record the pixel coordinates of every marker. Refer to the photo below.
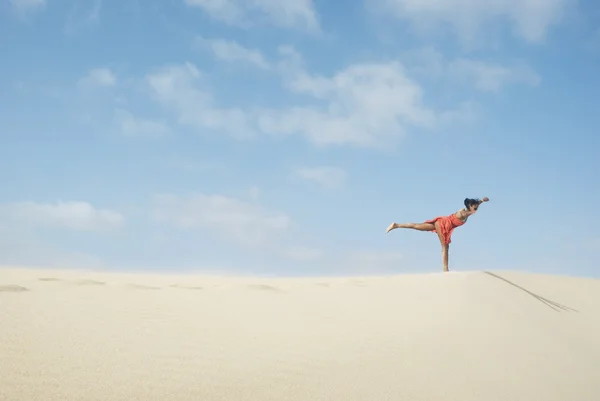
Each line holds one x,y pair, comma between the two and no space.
414,226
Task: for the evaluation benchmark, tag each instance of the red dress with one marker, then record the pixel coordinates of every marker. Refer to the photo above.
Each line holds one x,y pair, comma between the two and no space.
447,224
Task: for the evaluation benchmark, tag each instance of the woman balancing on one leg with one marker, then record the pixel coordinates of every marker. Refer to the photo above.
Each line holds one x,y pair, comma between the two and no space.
444,225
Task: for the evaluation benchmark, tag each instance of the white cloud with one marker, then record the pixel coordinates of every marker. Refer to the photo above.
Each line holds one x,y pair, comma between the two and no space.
227,11
234,219
291,62
26,6
485,76
178,87
297,14
131,125
72,215
325,176
364,105
491,77
229,50
531,19
99,77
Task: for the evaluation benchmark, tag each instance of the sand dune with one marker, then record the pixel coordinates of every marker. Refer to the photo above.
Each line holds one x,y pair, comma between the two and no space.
484,336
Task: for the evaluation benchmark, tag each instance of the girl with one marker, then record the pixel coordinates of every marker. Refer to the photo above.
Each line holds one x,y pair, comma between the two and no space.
444,225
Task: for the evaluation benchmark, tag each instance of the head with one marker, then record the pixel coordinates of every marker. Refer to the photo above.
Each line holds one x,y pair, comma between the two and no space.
472,204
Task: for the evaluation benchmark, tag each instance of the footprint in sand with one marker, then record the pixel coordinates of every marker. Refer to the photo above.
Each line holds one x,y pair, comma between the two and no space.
143,287
13,288
185,287
90,282
49,279
263,287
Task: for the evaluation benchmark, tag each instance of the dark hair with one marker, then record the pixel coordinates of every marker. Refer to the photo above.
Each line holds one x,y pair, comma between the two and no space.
471,202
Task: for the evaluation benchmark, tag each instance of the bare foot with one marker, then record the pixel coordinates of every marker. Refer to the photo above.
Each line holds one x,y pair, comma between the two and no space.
390,227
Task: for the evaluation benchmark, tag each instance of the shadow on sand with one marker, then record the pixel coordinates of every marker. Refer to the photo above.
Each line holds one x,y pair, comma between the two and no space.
554,305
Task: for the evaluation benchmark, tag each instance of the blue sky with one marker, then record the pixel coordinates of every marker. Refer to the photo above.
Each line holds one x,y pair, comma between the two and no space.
281,138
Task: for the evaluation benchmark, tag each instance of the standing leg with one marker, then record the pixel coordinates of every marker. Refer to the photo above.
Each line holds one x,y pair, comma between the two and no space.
445,257
445,247
414,226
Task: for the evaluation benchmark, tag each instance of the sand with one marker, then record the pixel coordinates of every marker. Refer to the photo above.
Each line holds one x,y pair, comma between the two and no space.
484,336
